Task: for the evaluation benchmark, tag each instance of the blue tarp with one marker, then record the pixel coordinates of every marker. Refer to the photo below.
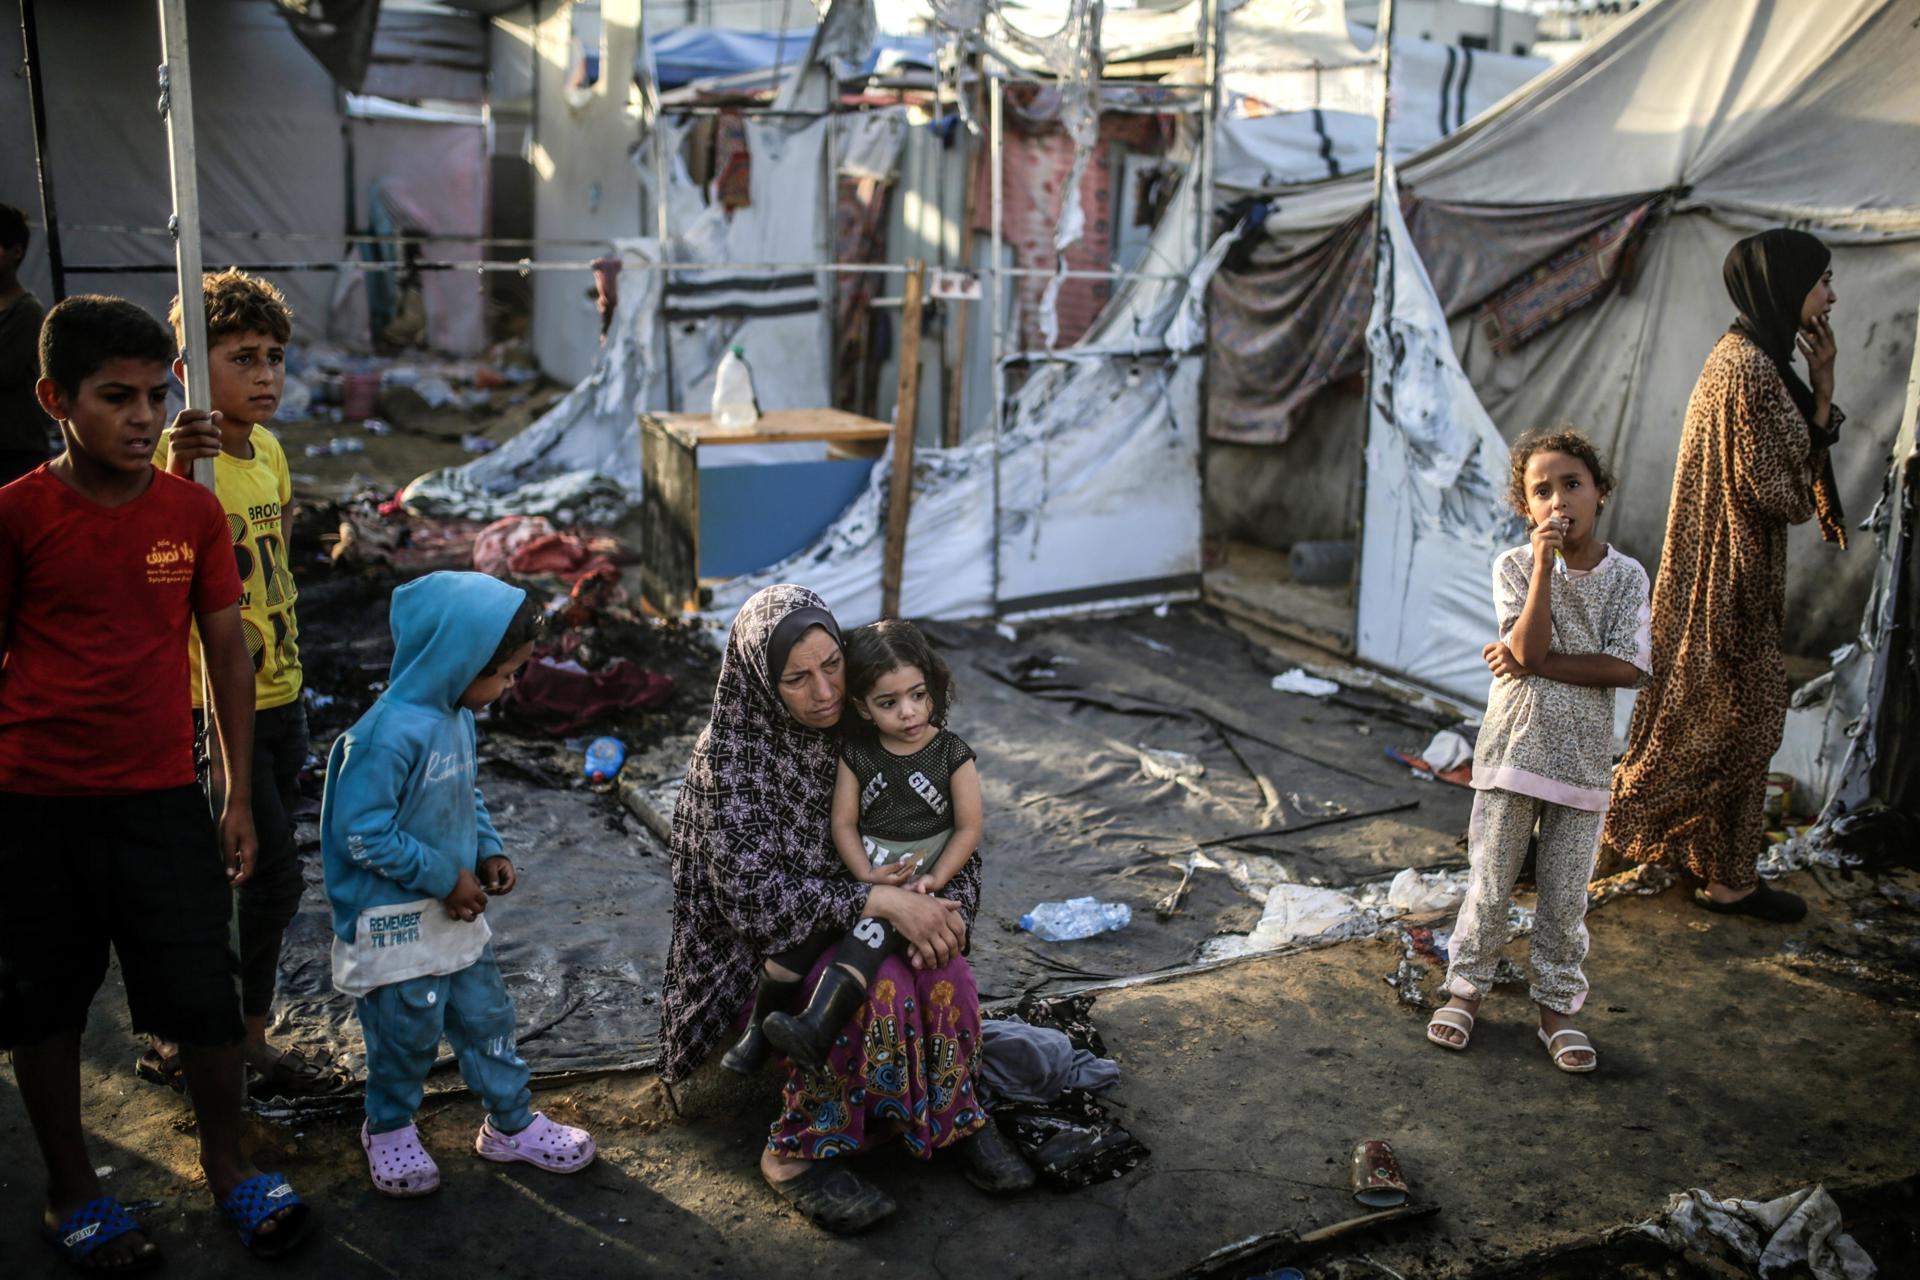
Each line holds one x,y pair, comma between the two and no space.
696,53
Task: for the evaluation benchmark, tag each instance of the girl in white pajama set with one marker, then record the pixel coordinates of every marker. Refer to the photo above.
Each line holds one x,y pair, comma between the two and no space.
1574,625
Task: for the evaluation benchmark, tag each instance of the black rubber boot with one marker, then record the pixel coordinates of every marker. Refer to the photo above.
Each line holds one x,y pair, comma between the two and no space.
993,1165
808,1037
749,1053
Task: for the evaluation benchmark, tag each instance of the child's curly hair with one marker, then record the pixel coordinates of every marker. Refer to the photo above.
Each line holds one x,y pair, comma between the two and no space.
887,645
1567,440
237,303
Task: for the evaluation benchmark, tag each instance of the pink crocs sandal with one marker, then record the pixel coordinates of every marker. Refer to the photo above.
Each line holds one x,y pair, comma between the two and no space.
557,1148
399,1164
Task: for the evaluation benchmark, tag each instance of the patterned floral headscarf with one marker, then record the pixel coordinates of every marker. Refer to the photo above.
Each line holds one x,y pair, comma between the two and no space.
754,871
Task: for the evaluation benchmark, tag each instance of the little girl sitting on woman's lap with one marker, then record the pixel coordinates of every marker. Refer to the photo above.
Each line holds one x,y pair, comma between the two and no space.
906,811
1572,613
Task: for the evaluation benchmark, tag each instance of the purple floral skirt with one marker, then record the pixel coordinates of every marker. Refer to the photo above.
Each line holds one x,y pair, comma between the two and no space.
904,1066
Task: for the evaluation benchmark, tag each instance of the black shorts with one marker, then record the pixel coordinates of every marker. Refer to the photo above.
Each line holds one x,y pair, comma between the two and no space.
139,872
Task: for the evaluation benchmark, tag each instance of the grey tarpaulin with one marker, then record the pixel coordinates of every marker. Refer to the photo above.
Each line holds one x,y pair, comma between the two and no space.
271,102
1069,811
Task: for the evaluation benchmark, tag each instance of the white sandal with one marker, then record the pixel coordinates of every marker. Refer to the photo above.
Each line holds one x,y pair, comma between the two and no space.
1580,1044
1446,1016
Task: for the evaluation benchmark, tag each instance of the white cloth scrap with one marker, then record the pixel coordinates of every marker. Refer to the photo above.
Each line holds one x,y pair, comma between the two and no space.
1801,1229
1298,681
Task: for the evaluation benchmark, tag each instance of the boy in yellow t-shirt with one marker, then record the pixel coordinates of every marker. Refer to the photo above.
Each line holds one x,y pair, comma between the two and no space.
248,325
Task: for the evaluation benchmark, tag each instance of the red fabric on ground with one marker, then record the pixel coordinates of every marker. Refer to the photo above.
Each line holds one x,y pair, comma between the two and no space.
563,697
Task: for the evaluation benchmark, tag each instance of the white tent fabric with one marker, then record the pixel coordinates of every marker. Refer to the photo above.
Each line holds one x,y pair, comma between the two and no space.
783,224
1436,471
1759,112
1303,93
1099,487
582,457
1866,673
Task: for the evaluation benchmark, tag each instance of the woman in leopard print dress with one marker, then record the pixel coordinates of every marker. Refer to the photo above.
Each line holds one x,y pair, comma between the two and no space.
1753,460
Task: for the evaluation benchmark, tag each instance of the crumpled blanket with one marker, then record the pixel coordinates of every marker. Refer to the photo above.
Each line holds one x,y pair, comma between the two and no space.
529,546
561,696
1776,1236
1023,1063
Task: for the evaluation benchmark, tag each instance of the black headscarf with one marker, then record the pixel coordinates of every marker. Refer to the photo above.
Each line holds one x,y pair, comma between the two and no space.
1768,276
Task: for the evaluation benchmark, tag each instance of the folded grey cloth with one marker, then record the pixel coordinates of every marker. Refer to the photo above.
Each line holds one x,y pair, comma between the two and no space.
1021,1063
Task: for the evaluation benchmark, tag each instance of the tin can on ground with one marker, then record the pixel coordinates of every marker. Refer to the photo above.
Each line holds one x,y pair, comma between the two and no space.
1377,1180
1779,801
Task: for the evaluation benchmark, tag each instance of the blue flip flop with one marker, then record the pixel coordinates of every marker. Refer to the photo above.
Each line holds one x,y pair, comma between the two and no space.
93,1224
249,1205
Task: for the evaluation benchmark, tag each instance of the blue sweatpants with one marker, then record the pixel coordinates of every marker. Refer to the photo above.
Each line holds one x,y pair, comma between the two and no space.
403,1023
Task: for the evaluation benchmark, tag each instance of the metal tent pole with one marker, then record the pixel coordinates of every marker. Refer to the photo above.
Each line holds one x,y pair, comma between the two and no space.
1382,250
176,106
37,108
1212,29
996,94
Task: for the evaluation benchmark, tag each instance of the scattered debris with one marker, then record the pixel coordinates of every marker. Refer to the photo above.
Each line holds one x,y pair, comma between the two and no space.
1298,681
1075,918
1776,1237
1168,906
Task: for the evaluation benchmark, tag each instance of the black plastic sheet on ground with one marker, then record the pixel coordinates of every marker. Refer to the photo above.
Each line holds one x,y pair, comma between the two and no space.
1071,811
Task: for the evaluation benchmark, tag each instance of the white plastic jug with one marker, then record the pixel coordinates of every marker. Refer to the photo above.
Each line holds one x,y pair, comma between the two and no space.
733,401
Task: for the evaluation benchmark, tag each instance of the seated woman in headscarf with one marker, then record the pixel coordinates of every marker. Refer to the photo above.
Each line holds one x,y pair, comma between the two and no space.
1691,790
755,874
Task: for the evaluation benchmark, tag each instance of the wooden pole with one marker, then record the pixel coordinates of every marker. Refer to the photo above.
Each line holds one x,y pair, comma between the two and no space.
906,411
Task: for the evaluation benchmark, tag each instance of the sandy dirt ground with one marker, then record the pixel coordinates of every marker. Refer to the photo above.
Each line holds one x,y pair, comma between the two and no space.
1742,1058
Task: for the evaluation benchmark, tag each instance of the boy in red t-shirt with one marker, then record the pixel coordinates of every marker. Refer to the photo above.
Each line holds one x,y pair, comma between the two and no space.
105,839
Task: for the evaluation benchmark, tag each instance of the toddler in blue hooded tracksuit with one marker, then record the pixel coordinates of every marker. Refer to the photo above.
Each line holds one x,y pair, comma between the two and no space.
411,858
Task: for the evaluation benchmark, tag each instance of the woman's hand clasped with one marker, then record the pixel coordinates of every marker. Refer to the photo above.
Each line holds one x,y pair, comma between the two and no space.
934,928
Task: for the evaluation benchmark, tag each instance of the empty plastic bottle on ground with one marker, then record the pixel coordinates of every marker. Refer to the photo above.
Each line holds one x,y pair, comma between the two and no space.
1075,918
604,758
733,401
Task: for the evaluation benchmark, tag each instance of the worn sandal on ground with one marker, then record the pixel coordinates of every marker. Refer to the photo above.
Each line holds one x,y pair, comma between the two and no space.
264,1196
94,1225
557,1148
1578,1044
1448,1017
1775,906
835,1198
157,1068
399,1163
295,1075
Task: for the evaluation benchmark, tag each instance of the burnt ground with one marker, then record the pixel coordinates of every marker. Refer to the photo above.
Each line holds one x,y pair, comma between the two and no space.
1740,1058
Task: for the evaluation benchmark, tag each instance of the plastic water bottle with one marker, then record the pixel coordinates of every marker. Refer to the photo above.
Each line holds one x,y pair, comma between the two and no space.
604,758
733,401
1075,918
